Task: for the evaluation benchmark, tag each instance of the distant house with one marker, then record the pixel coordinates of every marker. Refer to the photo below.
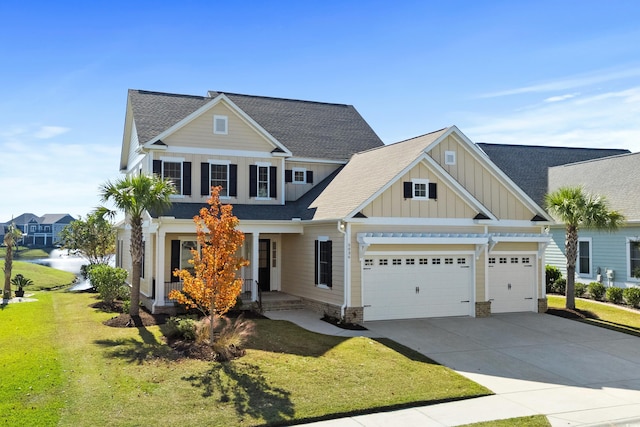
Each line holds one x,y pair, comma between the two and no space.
39,231
607,257
426,227
612,173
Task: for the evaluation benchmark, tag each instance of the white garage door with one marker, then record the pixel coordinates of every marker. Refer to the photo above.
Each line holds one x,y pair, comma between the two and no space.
405,287
512,283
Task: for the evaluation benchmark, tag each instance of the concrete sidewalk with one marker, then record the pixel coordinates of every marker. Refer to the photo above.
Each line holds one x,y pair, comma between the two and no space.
573,373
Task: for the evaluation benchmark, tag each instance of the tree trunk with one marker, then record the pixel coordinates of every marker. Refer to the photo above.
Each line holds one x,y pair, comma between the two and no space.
136,257
8,266
571,252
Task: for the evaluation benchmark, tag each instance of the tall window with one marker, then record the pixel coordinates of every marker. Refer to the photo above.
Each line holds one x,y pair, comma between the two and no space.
584,257
173,171
220,177
263,181
323,261
634,258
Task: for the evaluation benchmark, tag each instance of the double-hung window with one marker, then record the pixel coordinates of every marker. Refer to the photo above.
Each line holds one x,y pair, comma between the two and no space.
176,170
584,257
633,265
219,173
220,177
323,262
420,189
262,181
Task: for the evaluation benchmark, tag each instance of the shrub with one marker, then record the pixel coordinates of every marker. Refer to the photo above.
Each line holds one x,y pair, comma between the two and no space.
552,274
231,336
632,296
109,281
596,290
614,295
181,327
559,286
579,289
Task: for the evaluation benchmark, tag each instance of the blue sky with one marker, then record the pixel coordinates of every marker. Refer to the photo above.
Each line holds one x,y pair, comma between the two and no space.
562,73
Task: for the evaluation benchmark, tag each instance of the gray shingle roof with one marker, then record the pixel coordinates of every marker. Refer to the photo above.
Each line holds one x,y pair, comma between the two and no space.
616,178
528,165
308,129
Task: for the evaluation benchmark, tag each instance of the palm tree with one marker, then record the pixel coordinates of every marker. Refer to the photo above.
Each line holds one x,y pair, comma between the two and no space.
577,209
12,235
134,195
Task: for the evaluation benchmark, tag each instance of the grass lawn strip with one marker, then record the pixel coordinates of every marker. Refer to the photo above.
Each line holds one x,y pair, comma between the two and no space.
532,421
126,377
31,390
603,315
43,277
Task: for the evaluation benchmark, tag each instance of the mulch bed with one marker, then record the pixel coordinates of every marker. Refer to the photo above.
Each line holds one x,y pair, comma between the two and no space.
344,325
124,320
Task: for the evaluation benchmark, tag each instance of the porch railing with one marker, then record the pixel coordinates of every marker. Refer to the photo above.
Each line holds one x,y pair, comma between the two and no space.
169,286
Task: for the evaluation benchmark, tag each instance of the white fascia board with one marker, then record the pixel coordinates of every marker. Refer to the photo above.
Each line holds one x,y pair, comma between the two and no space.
264,227
408,240
311,160
208,106
447,222
219,152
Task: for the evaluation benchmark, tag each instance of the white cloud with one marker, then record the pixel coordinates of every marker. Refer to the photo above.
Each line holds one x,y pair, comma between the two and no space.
568,83
46,132
608,120
560,98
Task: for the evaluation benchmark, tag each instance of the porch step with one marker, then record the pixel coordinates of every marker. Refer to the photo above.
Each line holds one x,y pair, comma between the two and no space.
288,304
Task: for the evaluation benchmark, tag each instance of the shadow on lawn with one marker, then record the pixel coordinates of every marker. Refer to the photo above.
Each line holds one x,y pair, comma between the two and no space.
586,316
244,385
136,351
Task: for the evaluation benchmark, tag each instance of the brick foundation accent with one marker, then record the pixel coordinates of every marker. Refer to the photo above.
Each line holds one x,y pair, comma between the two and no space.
352,314
542,305
483,309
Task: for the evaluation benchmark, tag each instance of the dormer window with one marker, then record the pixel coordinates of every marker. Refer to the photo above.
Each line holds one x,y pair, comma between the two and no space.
220,125
449,157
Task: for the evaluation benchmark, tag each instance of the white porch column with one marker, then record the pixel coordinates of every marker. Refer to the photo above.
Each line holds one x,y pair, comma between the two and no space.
159,273
255,245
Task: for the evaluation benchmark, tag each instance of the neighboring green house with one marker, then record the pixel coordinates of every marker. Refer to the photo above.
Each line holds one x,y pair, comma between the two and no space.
607,257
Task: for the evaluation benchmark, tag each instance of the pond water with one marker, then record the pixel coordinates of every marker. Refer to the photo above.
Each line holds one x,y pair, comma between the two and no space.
61,259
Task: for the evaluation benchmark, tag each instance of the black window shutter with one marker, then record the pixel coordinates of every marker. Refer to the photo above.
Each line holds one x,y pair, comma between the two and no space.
329,264
273,182
316,262
233,180
157,167
175,259
433,190
309,177
204,179
288,175
253,181
186,182
408,190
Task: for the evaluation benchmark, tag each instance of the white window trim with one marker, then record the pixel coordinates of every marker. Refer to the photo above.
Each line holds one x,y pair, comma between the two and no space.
223,163
268,166
415,181
628,261
449,157
180,160
215,125
590,274
321,239
304,175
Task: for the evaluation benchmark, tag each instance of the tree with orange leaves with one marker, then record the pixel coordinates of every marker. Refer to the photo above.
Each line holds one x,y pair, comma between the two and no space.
214,286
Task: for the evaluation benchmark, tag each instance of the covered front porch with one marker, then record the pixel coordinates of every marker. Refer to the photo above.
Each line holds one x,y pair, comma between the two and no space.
262,247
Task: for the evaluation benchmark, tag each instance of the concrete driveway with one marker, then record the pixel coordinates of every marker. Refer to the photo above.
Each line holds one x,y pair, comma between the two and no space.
574,373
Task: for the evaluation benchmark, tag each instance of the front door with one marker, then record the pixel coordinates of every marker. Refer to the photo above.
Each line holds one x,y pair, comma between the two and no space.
264,267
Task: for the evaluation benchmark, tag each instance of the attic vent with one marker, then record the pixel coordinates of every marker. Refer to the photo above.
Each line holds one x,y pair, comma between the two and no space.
449,157
220,125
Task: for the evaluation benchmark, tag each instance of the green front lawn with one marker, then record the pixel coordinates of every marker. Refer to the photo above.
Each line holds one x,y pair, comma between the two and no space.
66,368
24,252
43,277
604,315
532,421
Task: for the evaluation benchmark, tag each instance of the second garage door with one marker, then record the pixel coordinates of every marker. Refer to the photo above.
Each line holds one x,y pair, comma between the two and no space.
512,283
405,287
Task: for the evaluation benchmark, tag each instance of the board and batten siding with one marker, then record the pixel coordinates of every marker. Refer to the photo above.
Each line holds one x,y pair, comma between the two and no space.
479,181
199,133
391,203
298,269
